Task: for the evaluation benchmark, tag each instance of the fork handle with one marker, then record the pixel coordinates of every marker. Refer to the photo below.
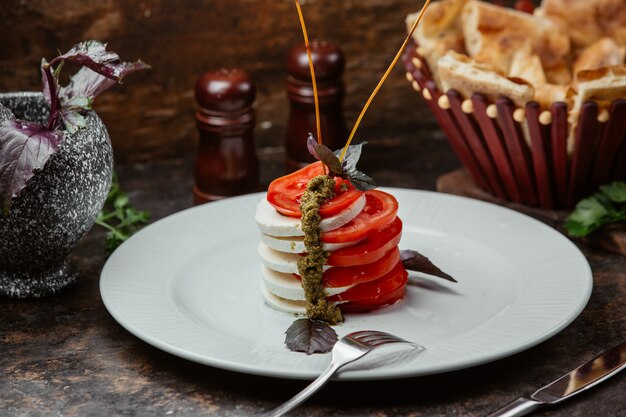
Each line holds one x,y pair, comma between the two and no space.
307,392
519,407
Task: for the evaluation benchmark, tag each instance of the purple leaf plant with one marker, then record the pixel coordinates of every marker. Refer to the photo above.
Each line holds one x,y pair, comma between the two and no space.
26,146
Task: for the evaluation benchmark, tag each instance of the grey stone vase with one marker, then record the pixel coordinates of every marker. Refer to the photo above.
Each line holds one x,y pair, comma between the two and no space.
56,209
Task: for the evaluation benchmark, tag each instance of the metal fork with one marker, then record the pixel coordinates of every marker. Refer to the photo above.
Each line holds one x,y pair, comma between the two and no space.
347,349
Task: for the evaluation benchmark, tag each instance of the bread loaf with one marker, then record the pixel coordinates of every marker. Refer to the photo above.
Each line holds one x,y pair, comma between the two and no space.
494,34
468,76
586,21
604,52
439,31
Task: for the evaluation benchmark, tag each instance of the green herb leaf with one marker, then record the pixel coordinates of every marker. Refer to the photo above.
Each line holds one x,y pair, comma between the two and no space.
72,119
415,261
615,191
604,207
119,217
310,336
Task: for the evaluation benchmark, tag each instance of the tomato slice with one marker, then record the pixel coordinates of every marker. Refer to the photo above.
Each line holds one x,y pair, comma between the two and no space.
284,193
374,294
380,210
374,247
340,276
367,306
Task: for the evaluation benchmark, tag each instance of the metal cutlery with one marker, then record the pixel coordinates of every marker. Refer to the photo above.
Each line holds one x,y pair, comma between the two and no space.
347,349
577,380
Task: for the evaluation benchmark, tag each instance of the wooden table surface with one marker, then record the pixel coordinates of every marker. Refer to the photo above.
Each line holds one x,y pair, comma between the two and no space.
66,356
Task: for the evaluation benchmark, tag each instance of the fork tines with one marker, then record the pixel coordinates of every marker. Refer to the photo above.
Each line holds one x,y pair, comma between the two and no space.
375,338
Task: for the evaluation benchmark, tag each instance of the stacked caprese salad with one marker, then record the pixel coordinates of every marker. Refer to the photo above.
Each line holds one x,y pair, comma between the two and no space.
360,231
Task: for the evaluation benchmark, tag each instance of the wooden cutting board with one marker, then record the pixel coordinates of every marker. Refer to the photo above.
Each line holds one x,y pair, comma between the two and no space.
611,238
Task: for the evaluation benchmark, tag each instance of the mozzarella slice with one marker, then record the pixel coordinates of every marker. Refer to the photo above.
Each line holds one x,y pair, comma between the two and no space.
295,244
280,261
286,306
271,222
287,286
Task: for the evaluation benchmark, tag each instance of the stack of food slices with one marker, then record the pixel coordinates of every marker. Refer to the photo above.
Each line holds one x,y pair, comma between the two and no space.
360,231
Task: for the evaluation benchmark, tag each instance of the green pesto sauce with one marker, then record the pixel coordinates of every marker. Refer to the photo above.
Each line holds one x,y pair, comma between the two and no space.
310,267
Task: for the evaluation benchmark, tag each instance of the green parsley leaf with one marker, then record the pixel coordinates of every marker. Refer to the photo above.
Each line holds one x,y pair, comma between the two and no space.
119,217
604,207
615,191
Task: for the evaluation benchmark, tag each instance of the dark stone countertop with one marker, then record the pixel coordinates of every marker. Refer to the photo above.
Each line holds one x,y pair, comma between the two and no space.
66,356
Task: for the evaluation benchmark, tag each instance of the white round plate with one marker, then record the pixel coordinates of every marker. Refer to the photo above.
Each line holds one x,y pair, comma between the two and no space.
189,284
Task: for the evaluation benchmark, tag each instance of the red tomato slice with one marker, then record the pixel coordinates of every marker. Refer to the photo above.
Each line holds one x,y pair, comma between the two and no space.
380,210
375,294
339,276
284,193
364,307
374,247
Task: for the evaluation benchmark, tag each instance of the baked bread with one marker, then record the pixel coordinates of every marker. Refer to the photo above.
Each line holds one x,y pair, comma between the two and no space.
602,86
586,21
468,76
604,52
493,34
439,31
559,74
527,65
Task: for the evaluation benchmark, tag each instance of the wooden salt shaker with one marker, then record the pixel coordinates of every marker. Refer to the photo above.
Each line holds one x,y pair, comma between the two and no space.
226,163
329,62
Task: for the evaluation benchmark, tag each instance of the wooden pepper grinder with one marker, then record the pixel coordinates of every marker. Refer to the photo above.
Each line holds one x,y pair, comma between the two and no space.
226,163
329,62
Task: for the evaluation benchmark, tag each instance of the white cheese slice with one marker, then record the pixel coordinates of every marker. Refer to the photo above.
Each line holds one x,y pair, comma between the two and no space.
295,244
280,304
271,222
280,261
289,287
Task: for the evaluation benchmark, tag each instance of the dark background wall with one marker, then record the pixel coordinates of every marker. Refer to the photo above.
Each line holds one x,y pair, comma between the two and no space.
150,117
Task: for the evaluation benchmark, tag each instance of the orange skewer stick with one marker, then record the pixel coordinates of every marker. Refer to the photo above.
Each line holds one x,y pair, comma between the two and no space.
382,80
308,52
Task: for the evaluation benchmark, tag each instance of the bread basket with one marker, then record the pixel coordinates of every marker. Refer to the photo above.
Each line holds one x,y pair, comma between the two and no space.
520,154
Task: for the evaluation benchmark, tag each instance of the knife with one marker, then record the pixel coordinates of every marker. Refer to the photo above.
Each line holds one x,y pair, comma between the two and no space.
577,380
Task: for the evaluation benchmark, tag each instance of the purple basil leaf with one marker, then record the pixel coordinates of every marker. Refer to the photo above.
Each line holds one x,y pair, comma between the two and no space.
24,148
88,83
85,83
415,261
311,145
353,154
93,55
46,86
361,181
310,336
322,153
5,114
